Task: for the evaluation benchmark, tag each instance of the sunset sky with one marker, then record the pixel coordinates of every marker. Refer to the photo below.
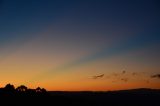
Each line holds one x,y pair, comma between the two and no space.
76,45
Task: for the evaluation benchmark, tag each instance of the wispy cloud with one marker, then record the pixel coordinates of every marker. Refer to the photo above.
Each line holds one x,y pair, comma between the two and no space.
98,76
155,76
123,72
124,79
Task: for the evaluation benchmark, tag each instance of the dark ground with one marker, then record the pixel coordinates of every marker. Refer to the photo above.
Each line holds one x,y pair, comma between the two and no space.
136,97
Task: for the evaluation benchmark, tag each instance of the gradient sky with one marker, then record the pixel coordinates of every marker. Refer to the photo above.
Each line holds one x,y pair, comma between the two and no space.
63,44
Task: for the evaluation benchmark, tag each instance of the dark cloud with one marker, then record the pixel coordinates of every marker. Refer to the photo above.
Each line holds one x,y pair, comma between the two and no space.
98,76
124,79
123,72
119,74
156,76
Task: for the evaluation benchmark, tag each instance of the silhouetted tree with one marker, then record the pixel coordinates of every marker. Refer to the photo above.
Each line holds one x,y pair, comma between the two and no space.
21,88
38,89
9,90
31,91
9,87
43,90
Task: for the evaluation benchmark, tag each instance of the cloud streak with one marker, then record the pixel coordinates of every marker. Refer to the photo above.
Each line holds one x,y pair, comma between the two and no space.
98,76
124,79
155,76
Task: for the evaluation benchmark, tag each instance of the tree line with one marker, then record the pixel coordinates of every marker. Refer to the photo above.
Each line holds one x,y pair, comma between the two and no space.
22,90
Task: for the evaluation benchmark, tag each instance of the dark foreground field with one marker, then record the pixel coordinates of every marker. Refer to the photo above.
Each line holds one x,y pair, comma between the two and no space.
136,97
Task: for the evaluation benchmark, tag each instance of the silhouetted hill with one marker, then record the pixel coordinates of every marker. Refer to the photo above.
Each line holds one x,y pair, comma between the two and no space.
133,97
23,96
